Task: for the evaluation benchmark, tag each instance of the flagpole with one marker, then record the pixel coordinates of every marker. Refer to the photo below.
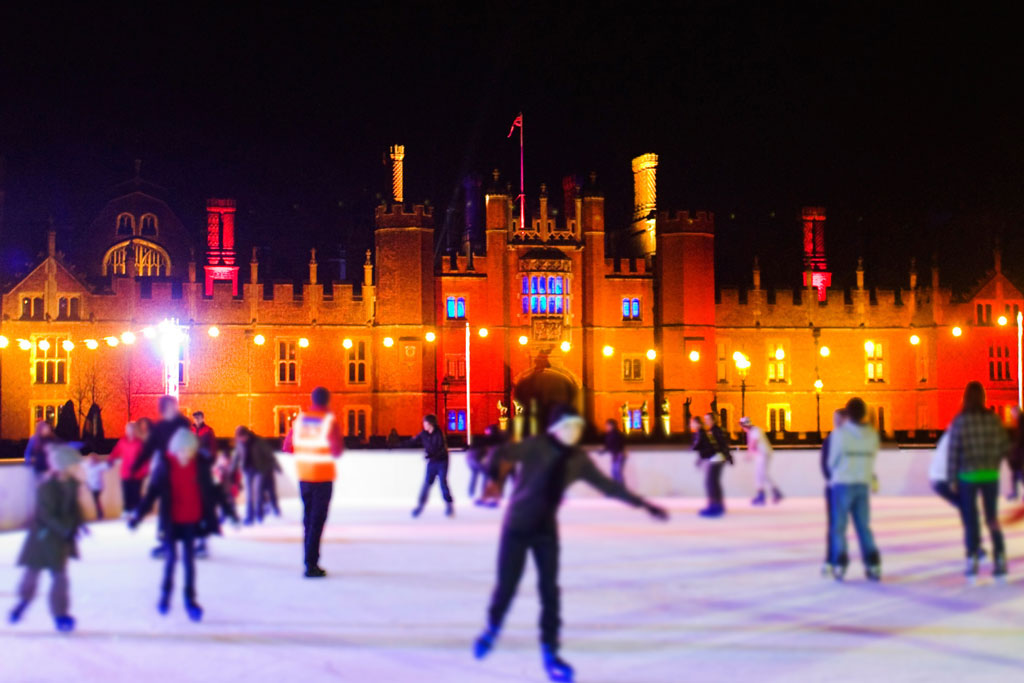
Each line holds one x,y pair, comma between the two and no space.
522,178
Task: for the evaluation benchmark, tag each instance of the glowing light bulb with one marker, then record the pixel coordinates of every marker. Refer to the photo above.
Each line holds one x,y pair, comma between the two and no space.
4,342
303,343
389,342
24,344
68,345
738,356
869,347
651,354
347,343
259,340
430,336
214,331
1002,320
957,332
91,344
608,351
150,333
128,338
914,340
694,356
780,353
818,384
112,341
43,345
824,351
483,332
565,346
524,340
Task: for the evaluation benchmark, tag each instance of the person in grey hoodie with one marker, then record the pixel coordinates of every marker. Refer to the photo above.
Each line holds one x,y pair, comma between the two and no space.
851,462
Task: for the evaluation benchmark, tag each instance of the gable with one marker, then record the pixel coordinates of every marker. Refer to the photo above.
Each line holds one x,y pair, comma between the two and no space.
997,287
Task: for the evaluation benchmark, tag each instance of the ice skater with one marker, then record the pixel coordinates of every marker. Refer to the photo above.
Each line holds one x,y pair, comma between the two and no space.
183,482
127,449
546,464
977,445
759,448
852,450
95,466
712,454
838,418
615,446
315,440
1016,456
51,539
432,441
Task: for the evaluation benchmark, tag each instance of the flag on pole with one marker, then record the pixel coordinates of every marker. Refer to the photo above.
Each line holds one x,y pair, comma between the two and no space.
518,122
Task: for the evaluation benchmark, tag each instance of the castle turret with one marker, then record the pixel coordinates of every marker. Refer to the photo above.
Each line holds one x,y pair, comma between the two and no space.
220,245
645,194
397,173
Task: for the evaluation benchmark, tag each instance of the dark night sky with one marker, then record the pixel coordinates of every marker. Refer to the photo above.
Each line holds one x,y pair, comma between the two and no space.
905,123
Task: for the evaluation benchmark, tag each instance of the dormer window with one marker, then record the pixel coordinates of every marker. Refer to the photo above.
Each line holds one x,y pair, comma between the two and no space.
148,226
125,224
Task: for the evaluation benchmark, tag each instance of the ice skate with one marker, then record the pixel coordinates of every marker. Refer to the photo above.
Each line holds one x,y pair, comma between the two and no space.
484,643
449,511
999,568
315,573
971,570
557,668
759,499
873,572
417,511
839,572
777,496
65,624
15,614
164,606
195,612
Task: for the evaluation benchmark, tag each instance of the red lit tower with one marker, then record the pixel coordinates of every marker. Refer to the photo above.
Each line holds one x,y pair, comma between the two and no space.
220,245
815,265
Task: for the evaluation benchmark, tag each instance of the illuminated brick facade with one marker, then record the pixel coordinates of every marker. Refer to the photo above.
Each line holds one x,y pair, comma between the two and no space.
563,319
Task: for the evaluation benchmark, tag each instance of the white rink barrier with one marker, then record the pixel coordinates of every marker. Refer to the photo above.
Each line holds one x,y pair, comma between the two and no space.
388,477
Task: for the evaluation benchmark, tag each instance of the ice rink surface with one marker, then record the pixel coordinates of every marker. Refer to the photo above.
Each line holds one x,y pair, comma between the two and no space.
735,599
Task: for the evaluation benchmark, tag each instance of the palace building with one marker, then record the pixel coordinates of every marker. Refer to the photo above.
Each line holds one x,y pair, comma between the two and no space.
525,315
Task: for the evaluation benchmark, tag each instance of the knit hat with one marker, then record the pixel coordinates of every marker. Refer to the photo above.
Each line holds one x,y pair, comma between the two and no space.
746,422
321,397
63,457
563,414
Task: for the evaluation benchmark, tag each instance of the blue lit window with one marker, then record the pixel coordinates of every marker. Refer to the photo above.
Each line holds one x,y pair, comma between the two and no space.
543,295
631,309
456,420
456,308
635,419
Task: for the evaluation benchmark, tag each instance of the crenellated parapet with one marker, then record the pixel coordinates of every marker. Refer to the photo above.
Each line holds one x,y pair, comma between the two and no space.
398,216
700,222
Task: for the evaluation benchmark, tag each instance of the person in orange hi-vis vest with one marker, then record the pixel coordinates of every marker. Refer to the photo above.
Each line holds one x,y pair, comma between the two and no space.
315,440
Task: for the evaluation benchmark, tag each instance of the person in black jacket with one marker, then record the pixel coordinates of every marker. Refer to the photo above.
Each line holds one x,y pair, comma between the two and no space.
183,481
615,445
712,447
546,465
432,441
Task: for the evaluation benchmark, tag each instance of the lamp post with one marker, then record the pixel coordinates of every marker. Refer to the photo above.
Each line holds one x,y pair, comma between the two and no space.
742,366
818,384
445,386
1020,356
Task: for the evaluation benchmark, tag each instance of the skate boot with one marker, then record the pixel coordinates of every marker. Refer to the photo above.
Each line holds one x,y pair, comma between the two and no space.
971,570
557,668
777,496
873,572
759,499
201,551
826,570
417,511
195,612
65,624
449,511
839,572
15,615
315,573
485,642
164,606
999,567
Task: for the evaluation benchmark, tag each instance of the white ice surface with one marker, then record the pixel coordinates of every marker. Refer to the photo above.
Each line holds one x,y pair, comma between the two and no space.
737,599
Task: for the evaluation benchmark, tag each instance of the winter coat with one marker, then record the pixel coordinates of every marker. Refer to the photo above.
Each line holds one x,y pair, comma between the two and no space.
128,451
851,454
35,453
702,445
51,538
615,442
158,439
1016,459
432,443
258,457
546,469
210,494
977,445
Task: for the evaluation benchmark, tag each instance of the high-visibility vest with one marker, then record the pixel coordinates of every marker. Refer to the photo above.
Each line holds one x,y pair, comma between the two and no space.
311,443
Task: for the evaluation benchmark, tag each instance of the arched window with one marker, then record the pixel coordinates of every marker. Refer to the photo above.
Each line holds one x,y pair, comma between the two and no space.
150,259
148,228
125,224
